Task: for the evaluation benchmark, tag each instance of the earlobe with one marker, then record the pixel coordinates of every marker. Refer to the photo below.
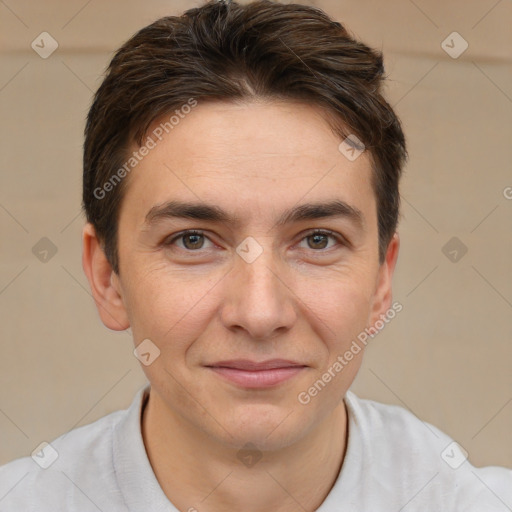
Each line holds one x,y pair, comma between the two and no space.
105,286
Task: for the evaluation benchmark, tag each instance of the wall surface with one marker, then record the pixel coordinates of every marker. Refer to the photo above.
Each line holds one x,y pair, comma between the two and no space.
446,356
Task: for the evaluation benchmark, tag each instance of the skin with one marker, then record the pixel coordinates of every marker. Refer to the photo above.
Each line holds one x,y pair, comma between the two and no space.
199,302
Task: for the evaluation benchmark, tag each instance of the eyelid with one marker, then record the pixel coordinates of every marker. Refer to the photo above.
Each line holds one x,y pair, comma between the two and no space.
327,232
173,238
315,231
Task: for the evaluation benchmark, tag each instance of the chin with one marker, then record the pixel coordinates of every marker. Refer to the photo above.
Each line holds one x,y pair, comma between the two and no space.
267,427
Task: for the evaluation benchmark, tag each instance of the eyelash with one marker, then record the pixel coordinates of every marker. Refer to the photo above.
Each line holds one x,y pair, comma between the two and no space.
324,232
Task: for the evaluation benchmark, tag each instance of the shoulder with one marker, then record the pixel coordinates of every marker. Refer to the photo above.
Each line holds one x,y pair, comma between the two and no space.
64,473
422,463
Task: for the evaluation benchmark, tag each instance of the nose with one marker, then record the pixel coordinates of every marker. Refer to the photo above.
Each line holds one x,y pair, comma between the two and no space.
259,298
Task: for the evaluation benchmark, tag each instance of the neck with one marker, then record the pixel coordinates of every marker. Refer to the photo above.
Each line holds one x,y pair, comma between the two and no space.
197,473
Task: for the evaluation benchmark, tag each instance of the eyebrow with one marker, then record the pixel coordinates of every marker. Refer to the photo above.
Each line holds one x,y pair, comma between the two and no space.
213,213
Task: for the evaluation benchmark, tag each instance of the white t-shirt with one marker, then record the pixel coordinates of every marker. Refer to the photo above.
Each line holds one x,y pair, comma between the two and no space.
394,462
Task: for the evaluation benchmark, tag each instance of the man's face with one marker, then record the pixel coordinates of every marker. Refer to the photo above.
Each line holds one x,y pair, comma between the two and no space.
256,289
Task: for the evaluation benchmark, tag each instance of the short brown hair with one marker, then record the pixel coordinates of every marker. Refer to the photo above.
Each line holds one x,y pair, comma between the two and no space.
224,51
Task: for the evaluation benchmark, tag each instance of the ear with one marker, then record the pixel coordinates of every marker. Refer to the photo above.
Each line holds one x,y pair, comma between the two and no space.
104,282
383,293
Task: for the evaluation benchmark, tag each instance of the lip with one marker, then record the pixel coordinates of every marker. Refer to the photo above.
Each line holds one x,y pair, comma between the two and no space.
253,374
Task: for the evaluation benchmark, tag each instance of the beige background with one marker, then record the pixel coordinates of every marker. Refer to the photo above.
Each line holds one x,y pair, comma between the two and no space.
446,356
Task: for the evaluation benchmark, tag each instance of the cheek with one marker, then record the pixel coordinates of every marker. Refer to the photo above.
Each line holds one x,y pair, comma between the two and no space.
166,305
173,307
340,304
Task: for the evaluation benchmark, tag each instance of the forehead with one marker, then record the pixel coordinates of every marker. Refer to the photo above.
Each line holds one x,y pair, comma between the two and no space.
260,129
250,155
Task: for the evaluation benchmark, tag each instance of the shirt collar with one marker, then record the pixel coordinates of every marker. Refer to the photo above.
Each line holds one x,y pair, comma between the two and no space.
135,476
140,488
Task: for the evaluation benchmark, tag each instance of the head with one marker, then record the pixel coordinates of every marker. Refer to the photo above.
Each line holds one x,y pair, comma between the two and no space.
262,128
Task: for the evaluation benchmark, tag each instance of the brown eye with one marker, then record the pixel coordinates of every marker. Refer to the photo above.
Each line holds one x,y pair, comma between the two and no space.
319,240
191,240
